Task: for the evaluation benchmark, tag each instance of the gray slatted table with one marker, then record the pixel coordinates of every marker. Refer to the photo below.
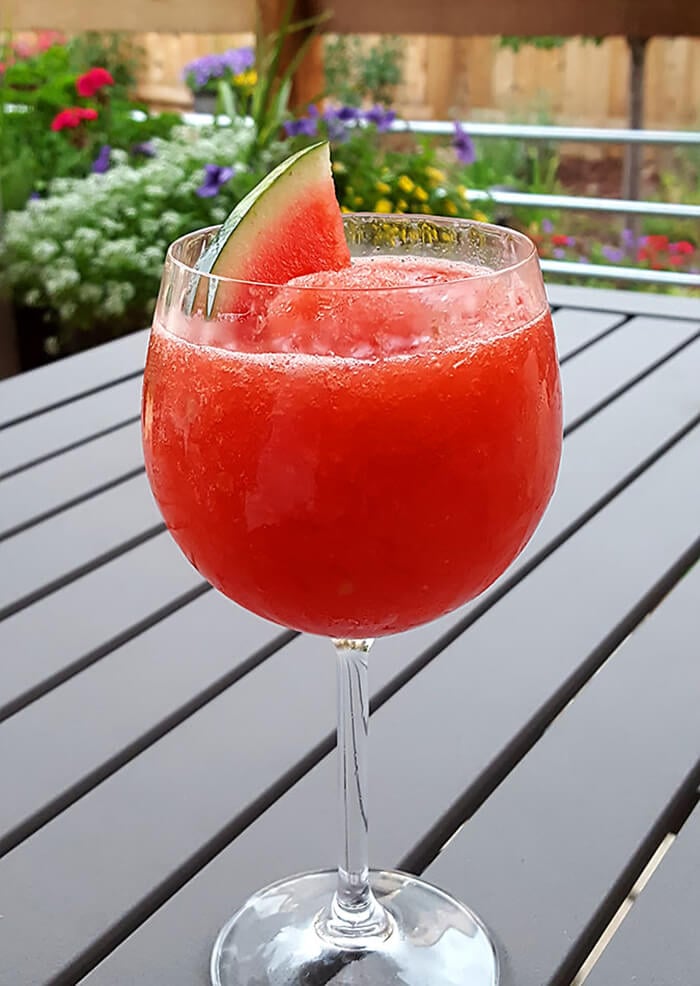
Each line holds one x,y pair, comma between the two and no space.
163,753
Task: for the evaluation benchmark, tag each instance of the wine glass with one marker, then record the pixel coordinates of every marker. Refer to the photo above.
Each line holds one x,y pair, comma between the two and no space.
353,455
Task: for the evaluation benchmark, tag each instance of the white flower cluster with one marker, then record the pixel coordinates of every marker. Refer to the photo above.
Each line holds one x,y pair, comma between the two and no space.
93,249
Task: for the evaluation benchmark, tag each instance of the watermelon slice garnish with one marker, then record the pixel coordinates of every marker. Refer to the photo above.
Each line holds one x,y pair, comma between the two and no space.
289,225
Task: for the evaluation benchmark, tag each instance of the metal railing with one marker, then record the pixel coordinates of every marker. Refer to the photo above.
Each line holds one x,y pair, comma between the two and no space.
587,135
526,131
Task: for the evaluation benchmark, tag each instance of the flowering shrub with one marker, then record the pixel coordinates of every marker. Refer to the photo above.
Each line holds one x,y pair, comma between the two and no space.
370,176
91,252
56,119
652,252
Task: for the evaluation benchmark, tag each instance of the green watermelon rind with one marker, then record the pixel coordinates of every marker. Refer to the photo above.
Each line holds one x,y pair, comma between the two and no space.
255,217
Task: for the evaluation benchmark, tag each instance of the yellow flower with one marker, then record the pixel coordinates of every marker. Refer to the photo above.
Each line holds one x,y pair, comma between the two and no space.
383,205
480,216
246,79
338,168
405,184
402,205
381,186
344,208
358,200
420,194
434,175
450,208
426,210
461,190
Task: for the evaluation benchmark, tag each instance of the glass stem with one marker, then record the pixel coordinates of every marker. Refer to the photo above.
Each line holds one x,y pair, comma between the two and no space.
355,914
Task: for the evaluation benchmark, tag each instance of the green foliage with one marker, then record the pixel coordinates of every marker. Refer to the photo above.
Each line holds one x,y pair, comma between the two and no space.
116,52
45,81
544,42
678,182
356,73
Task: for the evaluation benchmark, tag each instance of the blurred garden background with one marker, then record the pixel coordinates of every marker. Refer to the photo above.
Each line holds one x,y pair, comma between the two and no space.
103,163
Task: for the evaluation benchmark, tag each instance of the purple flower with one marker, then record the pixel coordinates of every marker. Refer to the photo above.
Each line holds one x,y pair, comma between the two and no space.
337,119
101,162
559,253
337,129
347,113
239,59
214,177
547,226
34,196
381,117
144,149
305,126
627,238
463,145
613,254
202,70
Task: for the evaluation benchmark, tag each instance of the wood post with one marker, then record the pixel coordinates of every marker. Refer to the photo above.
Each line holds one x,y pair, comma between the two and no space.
440,69
309,80
634,153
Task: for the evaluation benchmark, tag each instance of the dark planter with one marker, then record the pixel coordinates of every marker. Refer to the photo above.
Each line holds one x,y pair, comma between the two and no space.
205,102
32,330
34,327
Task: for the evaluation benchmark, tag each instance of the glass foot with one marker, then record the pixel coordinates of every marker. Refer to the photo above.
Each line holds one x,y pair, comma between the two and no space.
276,939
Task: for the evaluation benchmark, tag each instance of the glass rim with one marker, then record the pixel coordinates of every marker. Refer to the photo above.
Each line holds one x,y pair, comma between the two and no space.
402,218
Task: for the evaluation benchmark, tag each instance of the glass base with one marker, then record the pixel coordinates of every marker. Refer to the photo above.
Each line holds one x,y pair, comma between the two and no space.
277,939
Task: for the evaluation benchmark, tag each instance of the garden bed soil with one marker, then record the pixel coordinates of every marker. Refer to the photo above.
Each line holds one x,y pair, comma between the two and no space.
602,177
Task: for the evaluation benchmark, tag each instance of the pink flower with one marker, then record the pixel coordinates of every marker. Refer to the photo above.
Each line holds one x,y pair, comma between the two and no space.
682,247
92,81
72,118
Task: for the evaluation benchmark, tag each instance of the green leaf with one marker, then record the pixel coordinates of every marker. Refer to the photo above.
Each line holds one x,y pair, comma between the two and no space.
226,102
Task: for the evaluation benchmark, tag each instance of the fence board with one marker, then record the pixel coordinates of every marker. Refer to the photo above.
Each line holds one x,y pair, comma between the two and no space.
471,76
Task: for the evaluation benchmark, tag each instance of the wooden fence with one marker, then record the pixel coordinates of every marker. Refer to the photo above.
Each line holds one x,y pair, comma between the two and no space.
580,83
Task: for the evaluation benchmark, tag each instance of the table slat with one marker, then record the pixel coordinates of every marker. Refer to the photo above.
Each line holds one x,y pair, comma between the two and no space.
274,712
617,360
575,328
86,618
626,302
64,381
563,831
42,436
658,943
73,732
38,558
32,493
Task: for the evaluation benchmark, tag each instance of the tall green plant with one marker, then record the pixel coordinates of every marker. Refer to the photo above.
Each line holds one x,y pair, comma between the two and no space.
270,101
